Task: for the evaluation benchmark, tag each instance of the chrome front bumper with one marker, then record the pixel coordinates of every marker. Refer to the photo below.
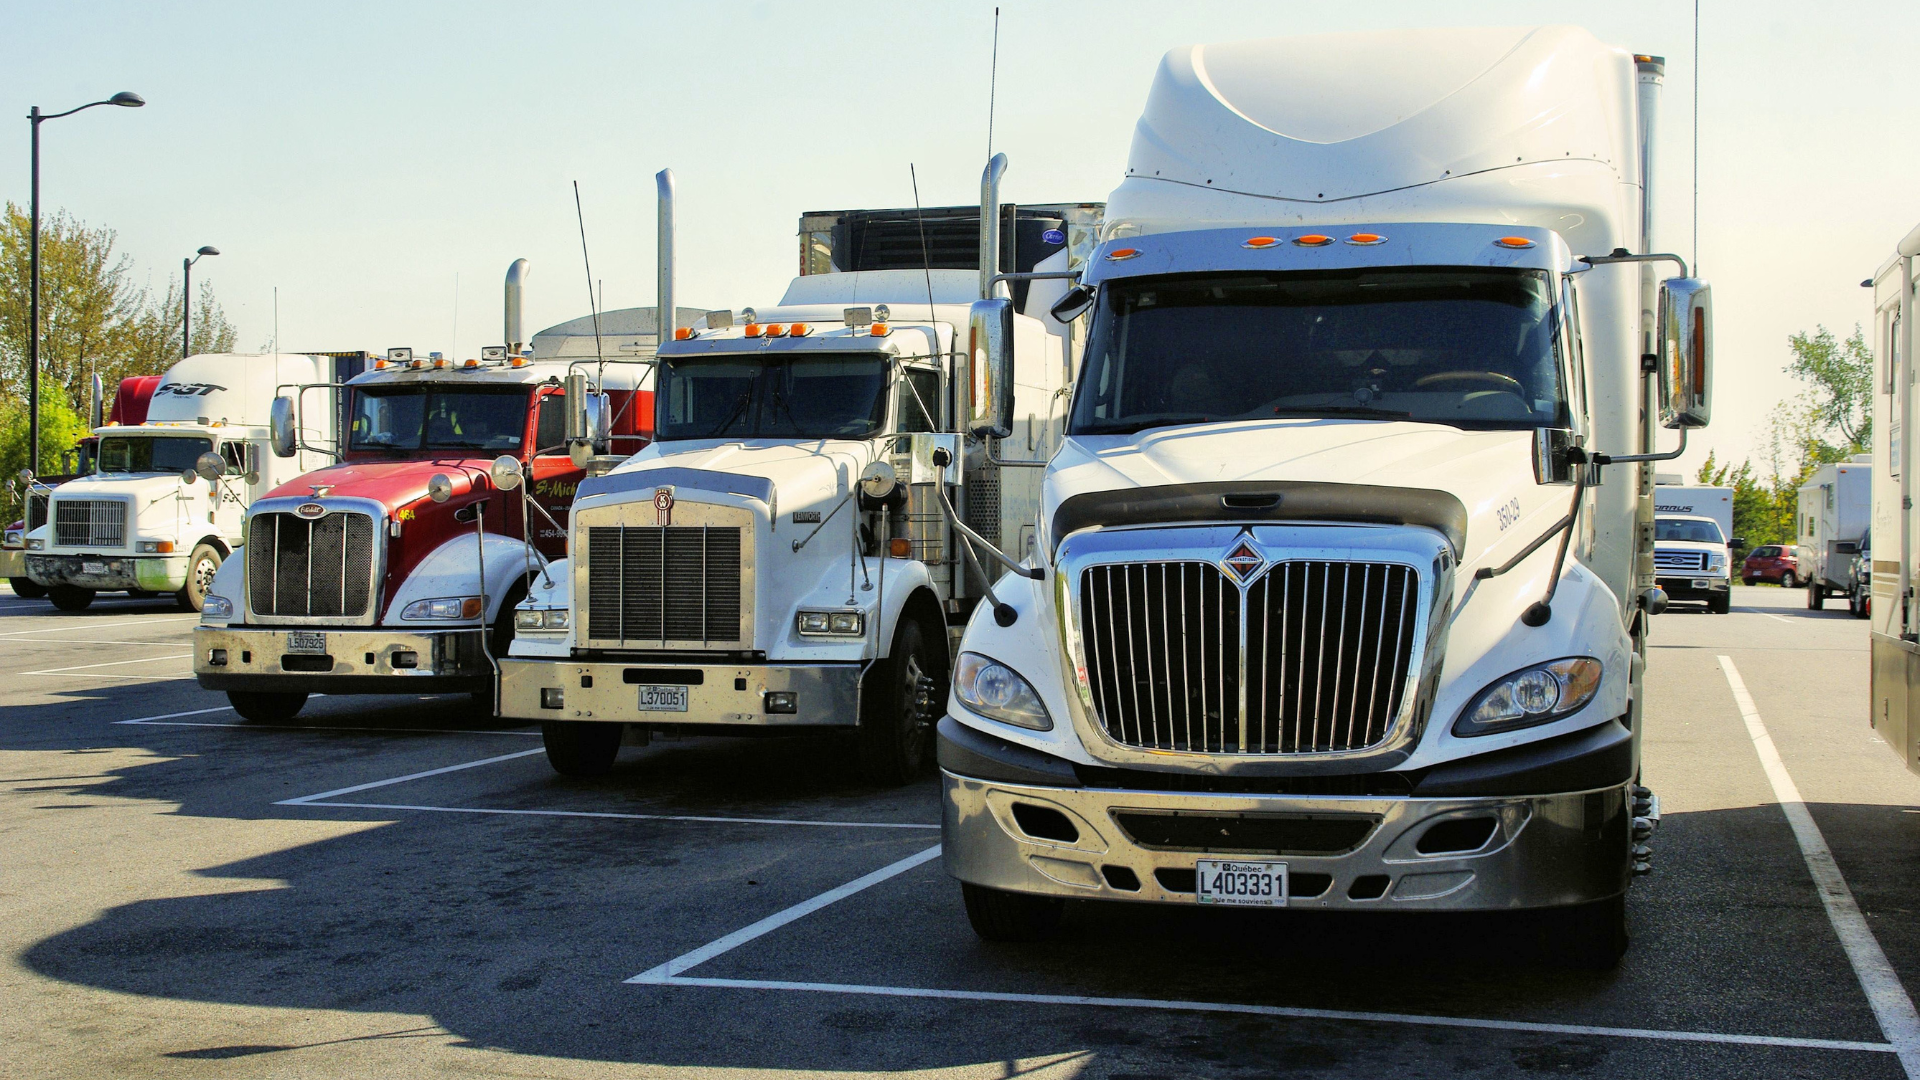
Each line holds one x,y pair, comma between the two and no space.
366,661
1543,851
825,695
152,573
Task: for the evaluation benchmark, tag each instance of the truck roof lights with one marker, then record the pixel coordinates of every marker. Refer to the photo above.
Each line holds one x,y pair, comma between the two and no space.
753,329
776,330
469,364
1258,242
1313,240
1366,239
519,361
857,316
1123,254
799,329
879,329
1514,242
497,353
882,313
682,333
379,365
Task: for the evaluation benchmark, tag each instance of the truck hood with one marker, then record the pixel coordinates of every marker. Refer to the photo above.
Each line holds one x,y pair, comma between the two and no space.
143,489
1490,473
393,484
807,475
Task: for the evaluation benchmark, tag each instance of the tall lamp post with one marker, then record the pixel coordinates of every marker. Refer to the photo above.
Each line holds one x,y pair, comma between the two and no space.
126,99
186,302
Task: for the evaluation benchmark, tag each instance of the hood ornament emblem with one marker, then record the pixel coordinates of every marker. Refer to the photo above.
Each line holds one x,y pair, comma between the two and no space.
663,504
319,490
1243,562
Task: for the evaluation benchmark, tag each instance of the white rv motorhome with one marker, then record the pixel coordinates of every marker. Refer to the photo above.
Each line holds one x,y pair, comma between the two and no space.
1342,575
167,501
1834,514
1894,629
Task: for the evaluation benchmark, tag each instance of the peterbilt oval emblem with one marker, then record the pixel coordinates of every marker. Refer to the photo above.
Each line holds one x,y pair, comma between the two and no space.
310,510
663,502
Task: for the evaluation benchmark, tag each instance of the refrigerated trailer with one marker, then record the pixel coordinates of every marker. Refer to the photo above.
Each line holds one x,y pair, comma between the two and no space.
1832,516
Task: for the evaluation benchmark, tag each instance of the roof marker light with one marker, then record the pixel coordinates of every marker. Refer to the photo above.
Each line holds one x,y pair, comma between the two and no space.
1313,240
799,329
470,363
753,329
1257,242
1123,254
519,361
776,330
1366,239
682,333
879,329
1514,242
379,365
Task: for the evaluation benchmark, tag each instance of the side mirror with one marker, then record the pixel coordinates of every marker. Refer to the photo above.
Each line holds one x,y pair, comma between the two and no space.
1686,353
210,466
1552,457
990,367
1074,304
188,476
878,480
1737,542
505,472
587,415
281,428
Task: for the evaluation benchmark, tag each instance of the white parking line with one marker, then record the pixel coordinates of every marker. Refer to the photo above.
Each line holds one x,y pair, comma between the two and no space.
633,817
304,800
117,623
1891,1005
113,663
671,974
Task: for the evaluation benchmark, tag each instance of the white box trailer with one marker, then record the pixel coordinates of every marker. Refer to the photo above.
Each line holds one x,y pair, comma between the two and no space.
1835,511
1685,500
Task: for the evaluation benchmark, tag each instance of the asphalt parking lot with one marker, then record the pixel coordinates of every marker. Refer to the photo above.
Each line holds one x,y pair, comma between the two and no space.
393,886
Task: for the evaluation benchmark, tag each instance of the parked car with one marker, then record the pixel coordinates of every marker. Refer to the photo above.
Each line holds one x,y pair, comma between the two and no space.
1771,562
1860,581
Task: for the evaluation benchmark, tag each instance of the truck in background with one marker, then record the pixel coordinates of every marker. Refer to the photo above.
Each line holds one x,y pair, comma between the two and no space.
1834,514
1327,605
396,569
173,470
790,553
1695,500
1893,619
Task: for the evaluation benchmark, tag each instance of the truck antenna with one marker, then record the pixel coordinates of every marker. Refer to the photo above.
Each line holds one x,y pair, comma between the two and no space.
993,78
926,260
592,307
453,343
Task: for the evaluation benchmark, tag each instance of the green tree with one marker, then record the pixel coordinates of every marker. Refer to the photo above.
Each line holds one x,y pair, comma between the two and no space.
61,429
1840,374
1758,514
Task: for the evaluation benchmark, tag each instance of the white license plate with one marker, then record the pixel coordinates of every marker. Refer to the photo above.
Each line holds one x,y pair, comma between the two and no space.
93,567
306,641
1241,884
662,698
1702,583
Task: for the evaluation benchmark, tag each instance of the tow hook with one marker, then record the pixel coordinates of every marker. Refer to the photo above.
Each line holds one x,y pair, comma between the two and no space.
1646,820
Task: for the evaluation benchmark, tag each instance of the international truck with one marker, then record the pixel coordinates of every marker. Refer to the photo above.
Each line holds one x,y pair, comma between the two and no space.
172,473
1833,514
792,552
1893,619
395,569
1341,580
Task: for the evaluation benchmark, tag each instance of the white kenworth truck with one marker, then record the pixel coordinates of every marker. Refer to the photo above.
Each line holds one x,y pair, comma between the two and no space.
1335,601
784,555
168,497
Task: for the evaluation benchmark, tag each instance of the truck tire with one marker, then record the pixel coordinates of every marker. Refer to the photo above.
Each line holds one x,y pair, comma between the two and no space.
27,588
581,747
201,566
1720,603
897,704
70,597
1816,596
266,707
998,915
1590,937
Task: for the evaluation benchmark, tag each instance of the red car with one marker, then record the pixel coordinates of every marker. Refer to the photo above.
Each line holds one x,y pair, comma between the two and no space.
1771,562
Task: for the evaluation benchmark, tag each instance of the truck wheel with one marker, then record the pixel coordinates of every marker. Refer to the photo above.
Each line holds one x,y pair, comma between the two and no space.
581,747
265,707
27,588
70,597
1591,937
1816,596
998,915
897,709
201,566
1789,581
1720,603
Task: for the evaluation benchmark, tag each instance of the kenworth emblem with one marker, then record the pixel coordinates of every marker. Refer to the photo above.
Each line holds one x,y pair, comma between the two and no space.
1243,561
310,510
663,502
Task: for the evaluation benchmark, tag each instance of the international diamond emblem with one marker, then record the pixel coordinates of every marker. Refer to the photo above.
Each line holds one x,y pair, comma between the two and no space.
1243,561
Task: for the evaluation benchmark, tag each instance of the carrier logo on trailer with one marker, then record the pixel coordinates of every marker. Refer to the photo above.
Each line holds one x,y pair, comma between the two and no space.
188,389
663,504
310,510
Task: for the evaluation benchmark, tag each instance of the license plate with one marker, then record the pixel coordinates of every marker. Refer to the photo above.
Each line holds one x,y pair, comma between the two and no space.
662,698
306,641
1702,583
1241,884
93,567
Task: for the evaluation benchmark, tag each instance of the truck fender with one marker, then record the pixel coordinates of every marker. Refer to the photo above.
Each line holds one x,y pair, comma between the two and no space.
230,584
904,582
448,570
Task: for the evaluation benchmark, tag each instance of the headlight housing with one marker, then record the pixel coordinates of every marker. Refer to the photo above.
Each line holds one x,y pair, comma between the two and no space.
830,623
1530,696
36,544
540,619
443,607
997,692
1715,560
153,547
216,607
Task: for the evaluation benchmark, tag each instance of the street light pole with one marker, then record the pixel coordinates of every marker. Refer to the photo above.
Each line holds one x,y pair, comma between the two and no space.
126,99
186,301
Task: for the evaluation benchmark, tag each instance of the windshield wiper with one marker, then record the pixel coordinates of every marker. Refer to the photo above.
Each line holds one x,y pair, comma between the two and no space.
1339,410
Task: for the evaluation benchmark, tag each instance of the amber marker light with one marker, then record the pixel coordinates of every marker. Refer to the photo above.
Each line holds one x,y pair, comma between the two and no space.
1514,242
1257,242
1123,254
879,329
1313,240
470,364
1366,239
900,547
682,333
518,361
752,329
379,365
799,329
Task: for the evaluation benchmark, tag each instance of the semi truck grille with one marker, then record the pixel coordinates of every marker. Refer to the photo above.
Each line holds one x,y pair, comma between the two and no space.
36,510
1679,560
1326,649
658,584
322,567
99,523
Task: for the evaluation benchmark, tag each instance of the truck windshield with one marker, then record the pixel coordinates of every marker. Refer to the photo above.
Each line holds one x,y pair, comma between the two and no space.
1470,347
436,418
151,453
1688,529
807,396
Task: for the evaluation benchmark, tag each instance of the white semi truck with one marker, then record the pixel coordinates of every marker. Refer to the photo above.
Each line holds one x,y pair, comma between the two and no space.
1341,584
1833,515
1894,630
785,555
167,500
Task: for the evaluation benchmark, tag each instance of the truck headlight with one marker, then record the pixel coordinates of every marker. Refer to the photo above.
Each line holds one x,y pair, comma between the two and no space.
36,544
997,692
216,607
1532,696
1715,561
13,537
445,607
837,623
153,547
540,619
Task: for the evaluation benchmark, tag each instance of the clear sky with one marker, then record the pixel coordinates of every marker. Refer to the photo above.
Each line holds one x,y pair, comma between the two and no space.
360,156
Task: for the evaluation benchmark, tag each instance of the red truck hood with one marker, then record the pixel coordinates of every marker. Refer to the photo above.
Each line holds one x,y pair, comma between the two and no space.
393,484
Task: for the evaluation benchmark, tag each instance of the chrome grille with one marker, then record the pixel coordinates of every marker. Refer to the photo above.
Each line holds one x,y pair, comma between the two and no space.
656,584
1312,657
1679,560
320,567
36,510
98,523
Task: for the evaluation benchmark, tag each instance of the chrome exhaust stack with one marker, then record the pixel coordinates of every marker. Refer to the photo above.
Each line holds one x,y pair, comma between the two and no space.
664,320
990,223
515,330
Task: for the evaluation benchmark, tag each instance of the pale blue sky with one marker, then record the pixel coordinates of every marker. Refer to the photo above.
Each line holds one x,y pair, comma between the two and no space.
360,155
